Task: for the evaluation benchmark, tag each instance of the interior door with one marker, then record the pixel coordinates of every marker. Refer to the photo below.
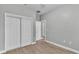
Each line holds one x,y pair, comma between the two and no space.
38,30
26,31
12,33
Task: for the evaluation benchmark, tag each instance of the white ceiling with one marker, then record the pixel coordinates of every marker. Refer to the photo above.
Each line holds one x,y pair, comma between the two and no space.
42,7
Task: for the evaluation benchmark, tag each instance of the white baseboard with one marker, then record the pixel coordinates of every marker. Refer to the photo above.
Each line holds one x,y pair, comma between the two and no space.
33,43
16,48
2,51
39,39
70,49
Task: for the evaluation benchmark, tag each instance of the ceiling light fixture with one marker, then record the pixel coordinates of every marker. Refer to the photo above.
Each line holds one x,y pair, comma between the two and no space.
38,11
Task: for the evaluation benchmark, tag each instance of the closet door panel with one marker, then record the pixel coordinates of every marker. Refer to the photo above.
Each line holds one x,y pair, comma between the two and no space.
26,31
12,33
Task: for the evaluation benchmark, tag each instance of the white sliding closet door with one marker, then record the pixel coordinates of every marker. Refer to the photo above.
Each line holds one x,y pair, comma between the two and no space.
26,31
12,33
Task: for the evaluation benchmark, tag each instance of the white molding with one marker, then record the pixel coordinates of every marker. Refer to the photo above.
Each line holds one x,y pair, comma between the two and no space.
39,39
70,49
15,15
16,48
33,43
3,51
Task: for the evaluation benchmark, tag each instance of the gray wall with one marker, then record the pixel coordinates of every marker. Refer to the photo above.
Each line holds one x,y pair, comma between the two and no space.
15,9
63,26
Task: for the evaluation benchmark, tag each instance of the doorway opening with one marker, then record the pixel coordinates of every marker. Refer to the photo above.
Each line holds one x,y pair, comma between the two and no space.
38,30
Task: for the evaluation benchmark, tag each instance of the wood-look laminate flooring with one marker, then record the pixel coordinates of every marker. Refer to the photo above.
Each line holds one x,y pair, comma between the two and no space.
41,47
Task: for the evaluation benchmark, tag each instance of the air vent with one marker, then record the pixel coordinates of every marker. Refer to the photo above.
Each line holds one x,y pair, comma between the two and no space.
38,11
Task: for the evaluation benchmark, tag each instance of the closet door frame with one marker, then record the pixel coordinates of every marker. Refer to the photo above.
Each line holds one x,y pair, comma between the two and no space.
20,18
13,16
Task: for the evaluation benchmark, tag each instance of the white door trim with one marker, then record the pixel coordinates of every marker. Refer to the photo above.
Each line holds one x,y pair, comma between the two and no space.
12,16
20,17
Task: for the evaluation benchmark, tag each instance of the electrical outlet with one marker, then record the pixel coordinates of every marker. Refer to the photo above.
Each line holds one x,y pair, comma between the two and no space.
64,41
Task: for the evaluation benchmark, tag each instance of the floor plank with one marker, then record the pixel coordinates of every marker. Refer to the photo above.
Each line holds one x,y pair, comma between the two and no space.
41,47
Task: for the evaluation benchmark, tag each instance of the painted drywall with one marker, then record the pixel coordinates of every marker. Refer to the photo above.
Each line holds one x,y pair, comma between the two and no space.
43,28
17,9
62,26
